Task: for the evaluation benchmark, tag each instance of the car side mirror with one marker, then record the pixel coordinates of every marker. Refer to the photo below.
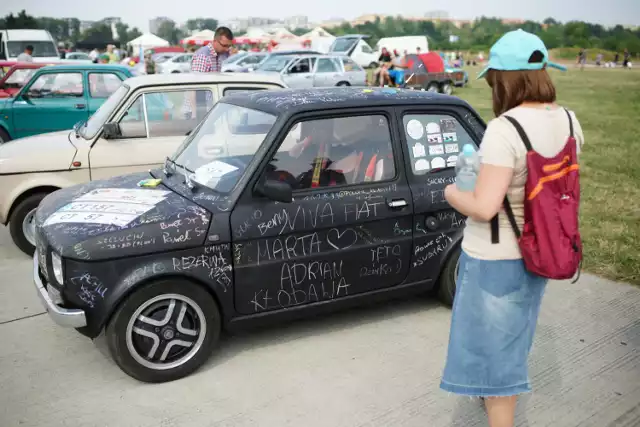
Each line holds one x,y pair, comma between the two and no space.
275,190
111,130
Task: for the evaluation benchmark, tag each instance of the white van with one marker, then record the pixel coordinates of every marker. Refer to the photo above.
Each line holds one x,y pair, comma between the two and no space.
353,45
408,43
14,42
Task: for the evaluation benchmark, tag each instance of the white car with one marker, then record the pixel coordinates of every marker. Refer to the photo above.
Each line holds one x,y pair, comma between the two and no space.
137,127
175,64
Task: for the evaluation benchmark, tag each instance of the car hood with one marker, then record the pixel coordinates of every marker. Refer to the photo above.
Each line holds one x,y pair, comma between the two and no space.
41,153
116,218
4,103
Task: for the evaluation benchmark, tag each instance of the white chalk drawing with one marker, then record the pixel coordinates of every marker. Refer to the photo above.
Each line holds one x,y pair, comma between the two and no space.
451,148
418,150
435,150
435,139
450,137
452,160
421,165
437,162
415,129
433,128
90,218
128,195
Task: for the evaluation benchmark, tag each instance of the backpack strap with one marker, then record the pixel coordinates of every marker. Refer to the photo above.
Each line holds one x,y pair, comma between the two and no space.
495,230
570,122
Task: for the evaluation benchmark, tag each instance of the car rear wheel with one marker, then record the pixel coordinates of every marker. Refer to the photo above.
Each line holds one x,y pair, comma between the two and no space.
164,331
175,72
343,84
446,88
433,87
22,223
448,277
373,65
4,136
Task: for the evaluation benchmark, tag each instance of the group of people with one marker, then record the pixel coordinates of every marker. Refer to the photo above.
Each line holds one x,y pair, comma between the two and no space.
626,59
391,67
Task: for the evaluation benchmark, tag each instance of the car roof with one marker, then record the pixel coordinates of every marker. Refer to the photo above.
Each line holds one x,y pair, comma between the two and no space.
88,66
211,78
292,101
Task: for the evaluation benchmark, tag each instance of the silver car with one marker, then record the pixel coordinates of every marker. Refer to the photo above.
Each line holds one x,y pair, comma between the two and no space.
306,71
176,64
244,62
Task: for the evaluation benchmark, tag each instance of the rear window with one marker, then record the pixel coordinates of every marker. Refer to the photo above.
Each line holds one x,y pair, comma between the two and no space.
350,65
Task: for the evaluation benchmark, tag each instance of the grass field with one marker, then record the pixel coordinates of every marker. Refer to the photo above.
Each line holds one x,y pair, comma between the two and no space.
607,103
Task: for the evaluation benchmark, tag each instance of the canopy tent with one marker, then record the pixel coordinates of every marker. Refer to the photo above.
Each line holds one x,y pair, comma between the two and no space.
283,34
147,41
200,38
254,36
317,32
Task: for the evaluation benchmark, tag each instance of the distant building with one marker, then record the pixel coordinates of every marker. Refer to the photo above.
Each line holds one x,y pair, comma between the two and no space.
299,21
85,25
156,23
436,14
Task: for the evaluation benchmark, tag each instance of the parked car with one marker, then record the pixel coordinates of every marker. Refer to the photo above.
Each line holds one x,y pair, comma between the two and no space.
77,57
305,71
283,52
248,61
56,97
175,64
140,124
280,204
16,77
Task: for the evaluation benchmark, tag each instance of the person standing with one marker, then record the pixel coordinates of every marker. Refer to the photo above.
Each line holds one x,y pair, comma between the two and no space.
208,59
497,300
26,55
625,58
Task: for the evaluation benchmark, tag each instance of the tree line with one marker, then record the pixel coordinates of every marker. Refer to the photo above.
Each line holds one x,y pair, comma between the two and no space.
477,35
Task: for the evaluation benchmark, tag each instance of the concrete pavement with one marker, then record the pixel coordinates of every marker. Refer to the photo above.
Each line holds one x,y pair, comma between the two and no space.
378,367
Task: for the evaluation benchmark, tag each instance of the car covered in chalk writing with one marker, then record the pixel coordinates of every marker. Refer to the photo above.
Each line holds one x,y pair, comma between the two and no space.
279,204
137,127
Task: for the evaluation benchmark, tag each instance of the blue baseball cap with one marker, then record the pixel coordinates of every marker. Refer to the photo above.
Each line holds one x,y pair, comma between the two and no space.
513,51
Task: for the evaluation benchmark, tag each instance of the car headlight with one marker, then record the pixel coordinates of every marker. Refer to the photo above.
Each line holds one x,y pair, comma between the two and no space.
56,265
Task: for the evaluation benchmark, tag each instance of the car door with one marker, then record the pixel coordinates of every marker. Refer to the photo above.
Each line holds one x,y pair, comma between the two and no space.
432,141
52,101
183,63
348,228
100,86
299,74
152,123
326,73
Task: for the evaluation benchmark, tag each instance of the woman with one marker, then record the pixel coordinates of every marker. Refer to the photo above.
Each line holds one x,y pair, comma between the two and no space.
497,301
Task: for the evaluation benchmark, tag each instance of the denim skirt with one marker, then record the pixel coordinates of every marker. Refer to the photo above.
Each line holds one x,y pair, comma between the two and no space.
495,311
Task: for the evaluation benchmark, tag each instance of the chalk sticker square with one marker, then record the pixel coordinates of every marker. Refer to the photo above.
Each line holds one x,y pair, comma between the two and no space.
437,162
421,165
433,128
448,125
415,129
449,137
434,139
435,150
452,160
418,150
451,148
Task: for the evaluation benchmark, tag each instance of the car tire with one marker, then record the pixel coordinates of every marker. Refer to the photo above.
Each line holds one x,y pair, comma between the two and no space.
4,136
448,277
433,87
446,88
373,65
175,72
343,84
173,312
21,219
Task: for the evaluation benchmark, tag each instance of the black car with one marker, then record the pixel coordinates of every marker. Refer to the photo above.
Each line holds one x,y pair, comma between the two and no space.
279,204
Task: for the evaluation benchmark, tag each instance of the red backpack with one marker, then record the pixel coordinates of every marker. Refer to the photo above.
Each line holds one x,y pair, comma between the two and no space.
550,240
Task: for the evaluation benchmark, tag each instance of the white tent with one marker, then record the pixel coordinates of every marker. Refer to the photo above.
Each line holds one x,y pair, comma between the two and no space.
284,34
317,32
200,36
147,41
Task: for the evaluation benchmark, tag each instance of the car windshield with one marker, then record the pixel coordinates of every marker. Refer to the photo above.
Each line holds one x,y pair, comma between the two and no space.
275,63
162,57
343,44
40,48
20,77
97,119
235,58
223,145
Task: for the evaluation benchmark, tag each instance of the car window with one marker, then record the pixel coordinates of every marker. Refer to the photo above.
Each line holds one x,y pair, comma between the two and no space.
434,141
250,60
231,90
102,85
366,49
326,65
302,66
57,85
350,65
20,77
334,152
170,113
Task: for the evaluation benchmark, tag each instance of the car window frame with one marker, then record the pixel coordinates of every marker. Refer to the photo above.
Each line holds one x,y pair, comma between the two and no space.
278,140
459,112
27,87
331,61
246,88
90,72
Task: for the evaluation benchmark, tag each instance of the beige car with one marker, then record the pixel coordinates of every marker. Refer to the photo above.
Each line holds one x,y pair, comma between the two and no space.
141,123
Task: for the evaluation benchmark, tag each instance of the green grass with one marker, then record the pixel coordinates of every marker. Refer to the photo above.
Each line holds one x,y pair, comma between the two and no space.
607,104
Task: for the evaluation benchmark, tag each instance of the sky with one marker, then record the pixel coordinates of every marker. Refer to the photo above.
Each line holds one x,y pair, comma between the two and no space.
138,12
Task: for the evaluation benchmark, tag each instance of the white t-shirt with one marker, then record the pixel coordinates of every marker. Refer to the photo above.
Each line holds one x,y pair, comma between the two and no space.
548,131
24,57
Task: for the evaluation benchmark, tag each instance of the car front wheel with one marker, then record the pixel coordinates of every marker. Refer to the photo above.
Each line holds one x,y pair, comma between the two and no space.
164,331
448,277
22,223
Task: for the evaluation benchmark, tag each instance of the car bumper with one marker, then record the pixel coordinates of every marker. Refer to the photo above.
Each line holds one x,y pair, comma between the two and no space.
70,318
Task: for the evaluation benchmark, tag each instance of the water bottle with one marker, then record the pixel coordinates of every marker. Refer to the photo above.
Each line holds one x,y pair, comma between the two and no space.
467,168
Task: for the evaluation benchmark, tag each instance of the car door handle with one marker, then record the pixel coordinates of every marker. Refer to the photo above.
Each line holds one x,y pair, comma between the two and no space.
397,203
80,106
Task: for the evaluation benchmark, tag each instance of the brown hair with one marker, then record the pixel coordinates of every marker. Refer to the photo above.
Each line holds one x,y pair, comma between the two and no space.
511,88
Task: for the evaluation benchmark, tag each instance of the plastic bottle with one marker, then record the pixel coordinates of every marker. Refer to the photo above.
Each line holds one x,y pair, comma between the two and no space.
467,168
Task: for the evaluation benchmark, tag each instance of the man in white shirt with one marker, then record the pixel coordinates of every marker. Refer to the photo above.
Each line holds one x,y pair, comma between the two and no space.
26,55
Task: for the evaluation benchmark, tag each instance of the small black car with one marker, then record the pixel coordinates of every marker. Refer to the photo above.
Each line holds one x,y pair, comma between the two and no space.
279,204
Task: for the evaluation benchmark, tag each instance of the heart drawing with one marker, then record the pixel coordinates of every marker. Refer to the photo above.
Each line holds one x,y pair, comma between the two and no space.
342,239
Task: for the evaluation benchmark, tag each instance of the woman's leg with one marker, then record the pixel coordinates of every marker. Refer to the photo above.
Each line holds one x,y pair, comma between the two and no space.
501,410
